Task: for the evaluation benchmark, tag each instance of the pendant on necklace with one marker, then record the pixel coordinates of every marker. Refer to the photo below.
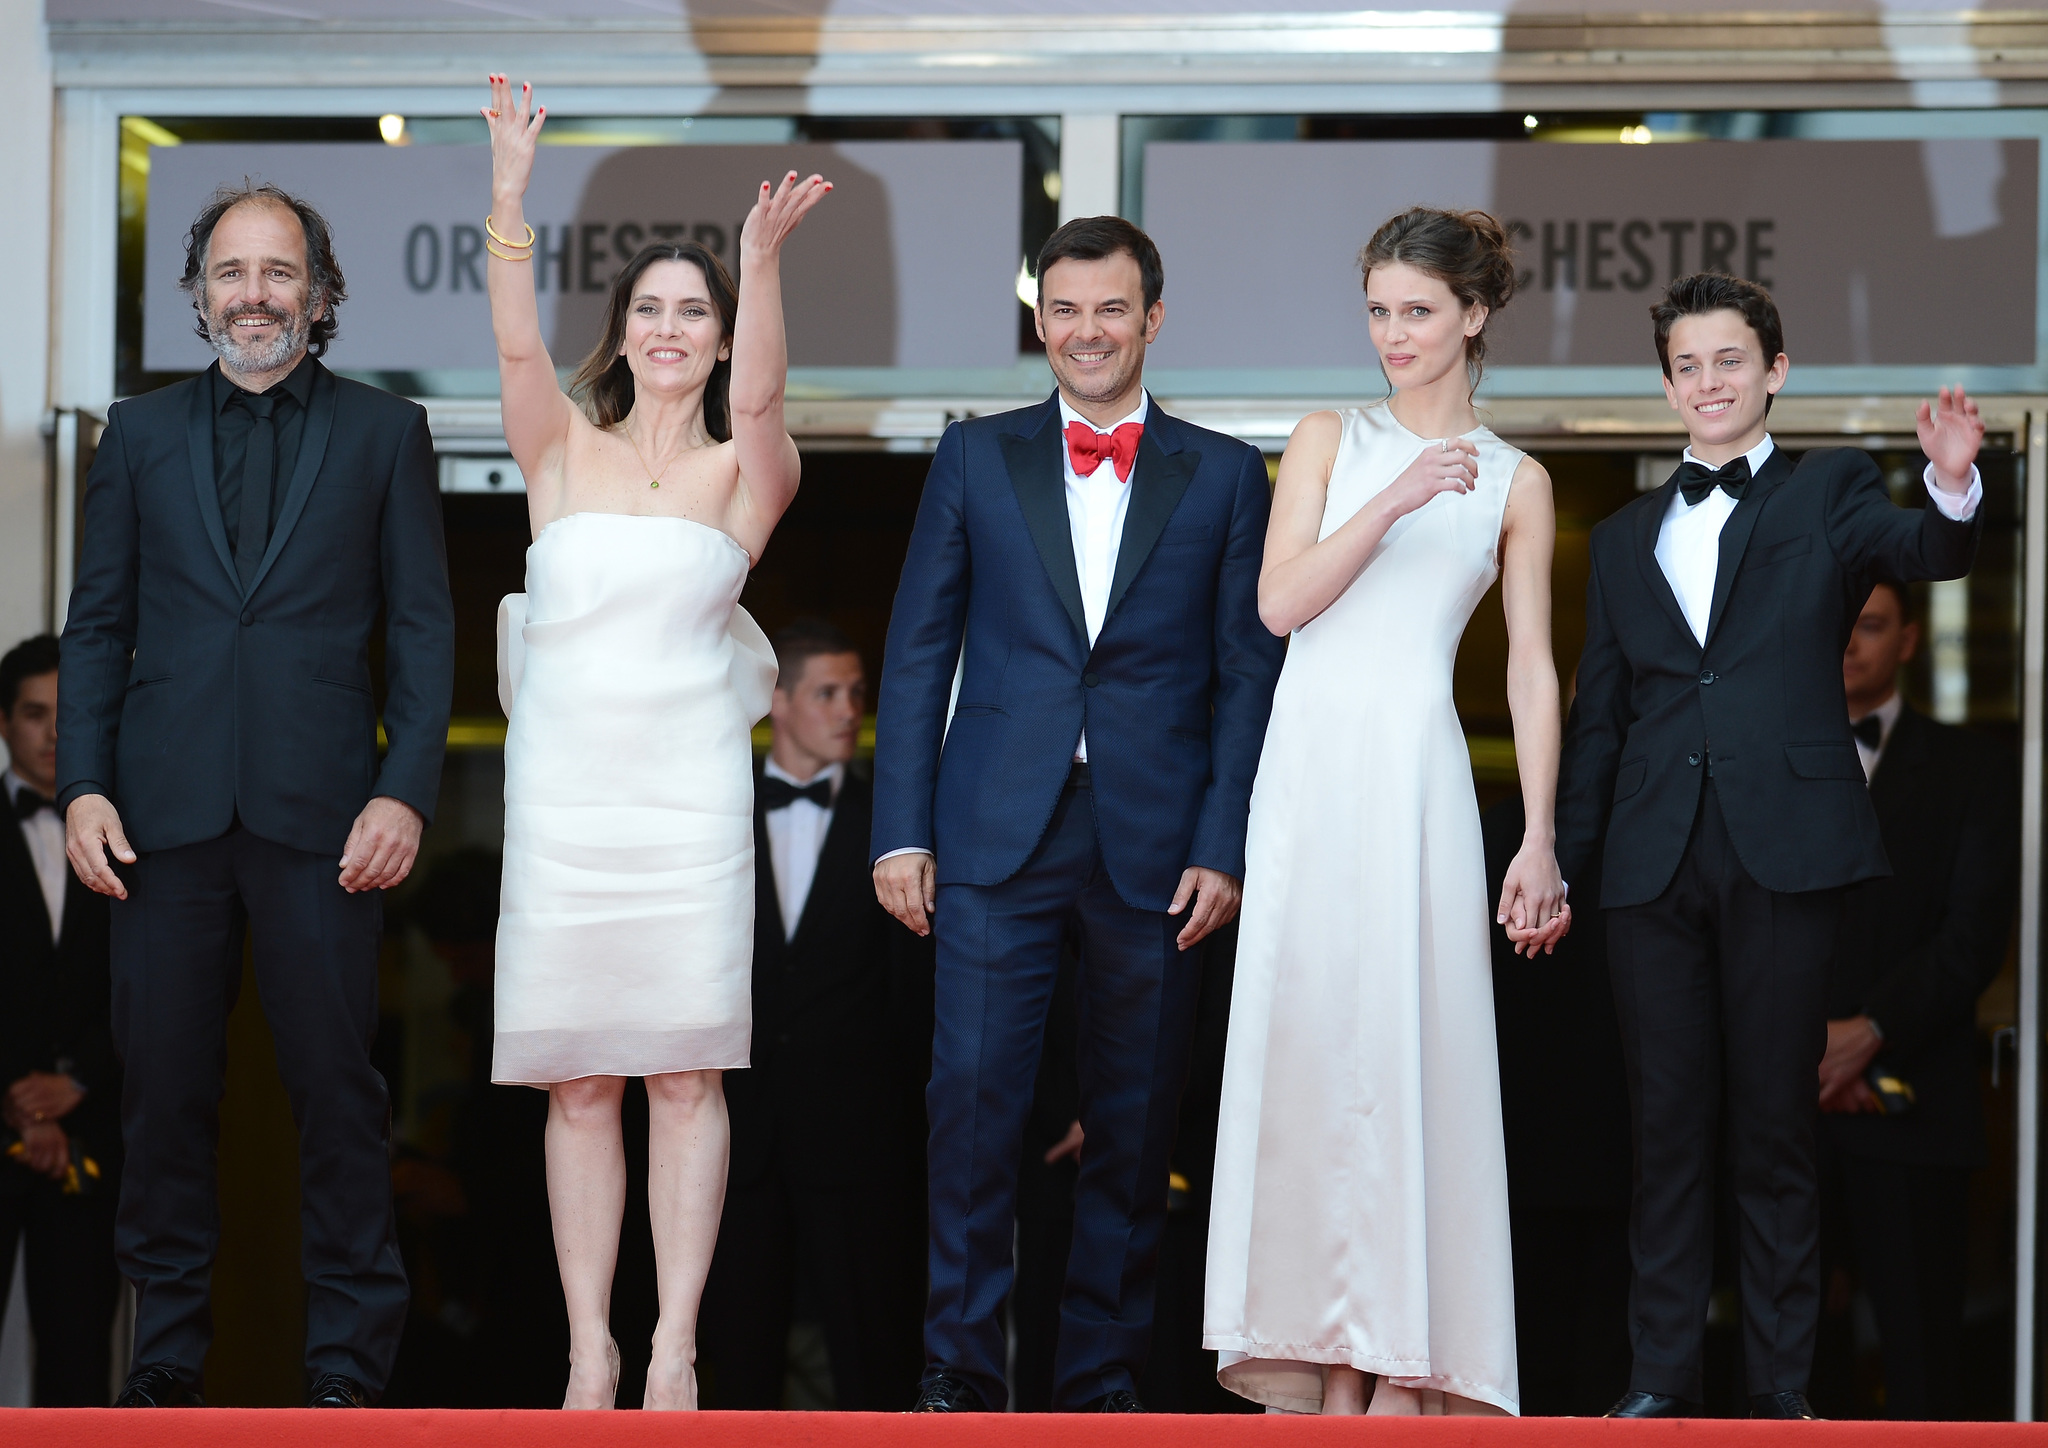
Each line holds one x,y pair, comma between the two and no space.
654,482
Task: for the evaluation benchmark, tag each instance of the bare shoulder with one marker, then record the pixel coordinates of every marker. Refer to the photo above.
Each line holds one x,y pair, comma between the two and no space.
1531,479
1318,433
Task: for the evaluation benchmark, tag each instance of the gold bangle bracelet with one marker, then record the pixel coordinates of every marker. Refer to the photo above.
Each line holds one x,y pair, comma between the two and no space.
506,255
492,232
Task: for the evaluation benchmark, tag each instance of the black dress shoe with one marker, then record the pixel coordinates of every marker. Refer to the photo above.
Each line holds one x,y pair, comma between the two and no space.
1635,1404
1781,1405
157,1386
943,1391
1119,1401
338,1390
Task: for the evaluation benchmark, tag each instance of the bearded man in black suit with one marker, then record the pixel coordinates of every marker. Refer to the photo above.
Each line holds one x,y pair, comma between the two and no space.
825,1184
219,769
60,1086
1915,952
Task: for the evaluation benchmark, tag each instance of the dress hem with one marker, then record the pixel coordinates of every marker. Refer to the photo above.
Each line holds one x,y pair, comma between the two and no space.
1402,1372
542,1058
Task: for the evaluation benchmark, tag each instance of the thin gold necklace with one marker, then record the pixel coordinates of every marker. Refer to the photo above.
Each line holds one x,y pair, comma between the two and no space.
653,478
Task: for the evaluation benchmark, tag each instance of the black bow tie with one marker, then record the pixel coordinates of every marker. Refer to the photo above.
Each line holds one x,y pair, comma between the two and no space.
1696,480
781,794
1869,731
28,804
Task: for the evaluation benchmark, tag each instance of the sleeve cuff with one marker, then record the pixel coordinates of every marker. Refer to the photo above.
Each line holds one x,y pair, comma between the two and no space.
907,850
1956,510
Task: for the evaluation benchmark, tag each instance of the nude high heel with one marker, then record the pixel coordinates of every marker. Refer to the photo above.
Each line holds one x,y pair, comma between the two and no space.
612,1397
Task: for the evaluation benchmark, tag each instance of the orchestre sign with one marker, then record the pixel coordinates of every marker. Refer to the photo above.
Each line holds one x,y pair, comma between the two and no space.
1903,253
912,263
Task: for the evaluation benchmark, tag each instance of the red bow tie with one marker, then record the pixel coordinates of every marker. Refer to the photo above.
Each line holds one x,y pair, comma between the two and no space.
1086,448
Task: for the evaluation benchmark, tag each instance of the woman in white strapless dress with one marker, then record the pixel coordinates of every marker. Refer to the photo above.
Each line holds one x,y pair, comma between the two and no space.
1358,1241
633,679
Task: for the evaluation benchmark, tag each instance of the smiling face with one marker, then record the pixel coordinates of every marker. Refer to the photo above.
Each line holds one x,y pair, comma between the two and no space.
1418,325
1095,325
674,334
258,300
1721,383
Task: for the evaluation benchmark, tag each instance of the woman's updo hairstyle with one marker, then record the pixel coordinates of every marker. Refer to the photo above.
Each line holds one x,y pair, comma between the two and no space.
1468,251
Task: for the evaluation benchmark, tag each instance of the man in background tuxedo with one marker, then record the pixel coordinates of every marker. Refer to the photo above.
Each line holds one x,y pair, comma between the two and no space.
61,1084
1914,953
822,1194
1709,747
245,533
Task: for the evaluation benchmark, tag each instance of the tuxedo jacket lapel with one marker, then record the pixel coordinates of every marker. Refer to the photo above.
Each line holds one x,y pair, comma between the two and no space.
844,852
1039,477
205,486
312,449
18,876
1649,522
1160,478
1735,532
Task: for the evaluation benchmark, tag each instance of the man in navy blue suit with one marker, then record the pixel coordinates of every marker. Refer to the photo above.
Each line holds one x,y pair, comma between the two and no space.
1072,707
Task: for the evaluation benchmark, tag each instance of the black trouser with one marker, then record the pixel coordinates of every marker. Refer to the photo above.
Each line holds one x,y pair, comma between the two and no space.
177,968
72,1283
1909,1228
1719,985
860,1271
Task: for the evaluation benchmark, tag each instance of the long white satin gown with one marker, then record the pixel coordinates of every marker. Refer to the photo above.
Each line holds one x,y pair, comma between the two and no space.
1360,1211
632,679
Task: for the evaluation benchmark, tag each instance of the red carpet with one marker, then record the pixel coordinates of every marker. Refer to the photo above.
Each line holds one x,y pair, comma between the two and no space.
437,1428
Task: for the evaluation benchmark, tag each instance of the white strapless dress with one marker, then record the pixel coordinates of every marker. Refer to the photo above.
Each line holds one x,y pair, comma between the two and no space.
633,680
1360,1210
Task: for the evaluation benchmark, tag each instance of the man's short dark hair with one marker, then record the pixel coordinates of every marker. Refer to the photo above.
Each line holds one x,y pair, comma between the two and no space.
26,660
1091,238
796,644
324,283
1705,292
1899,591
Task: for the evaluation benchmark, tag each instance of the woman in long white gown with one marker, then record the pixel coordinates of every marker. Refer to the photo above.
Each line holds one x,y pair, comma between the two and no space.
1358,1247
625,941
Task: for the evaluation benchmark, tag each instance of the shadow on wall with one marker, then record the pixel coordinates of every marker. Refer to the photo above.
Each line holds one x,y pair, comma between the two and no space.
839,274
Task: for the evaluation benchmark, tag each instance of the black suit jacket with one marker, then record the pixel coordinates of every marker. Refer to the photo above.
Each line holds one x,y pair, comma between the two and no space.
186,700
55,998
1760,705
1915,951
833,1068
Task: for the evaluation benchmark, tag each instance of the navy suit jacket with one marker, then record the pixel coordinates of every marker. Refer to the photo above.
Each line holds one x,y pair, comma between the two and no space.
1174,694
187,701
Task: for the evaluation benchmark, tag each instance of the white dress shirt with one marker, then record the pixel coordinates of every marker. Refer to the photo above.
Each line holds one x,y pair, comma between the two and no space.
1096,506
44,832
1689,539
796,833
1887,715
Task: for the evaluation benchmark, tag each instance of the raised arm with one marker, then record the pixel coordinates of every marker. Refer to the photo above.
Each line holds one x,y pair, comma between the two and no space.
760,363
1532,903
1303,576
537,414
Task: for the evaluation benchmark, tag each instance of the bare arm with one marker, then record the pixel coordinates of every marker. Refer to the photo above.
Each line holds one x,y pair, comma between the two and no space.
768,468
1303,576
537,414
1532,903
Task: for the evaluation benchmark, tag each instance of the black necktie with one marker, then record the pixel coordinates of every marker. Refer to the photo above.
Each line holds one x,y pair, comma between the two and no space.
28,804
259,467
1696,480
781,794
1869,731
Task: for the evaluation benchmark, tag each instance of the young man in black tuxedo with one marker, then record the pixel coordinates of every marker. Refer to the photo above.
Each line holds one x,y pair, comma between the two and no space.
1915,952
60,1086
1710,745
245,531
826,1180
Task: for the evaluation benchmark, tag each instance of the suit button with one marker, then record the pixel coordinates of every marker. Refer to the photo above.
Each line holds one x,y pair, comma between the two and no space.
1090,680
1693,758
1708,677
247,618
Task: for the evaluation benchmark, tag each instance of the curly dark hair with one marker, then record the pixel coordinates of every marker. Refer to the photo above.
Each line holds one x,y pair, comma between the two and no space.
323,271
1468,251
605,380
